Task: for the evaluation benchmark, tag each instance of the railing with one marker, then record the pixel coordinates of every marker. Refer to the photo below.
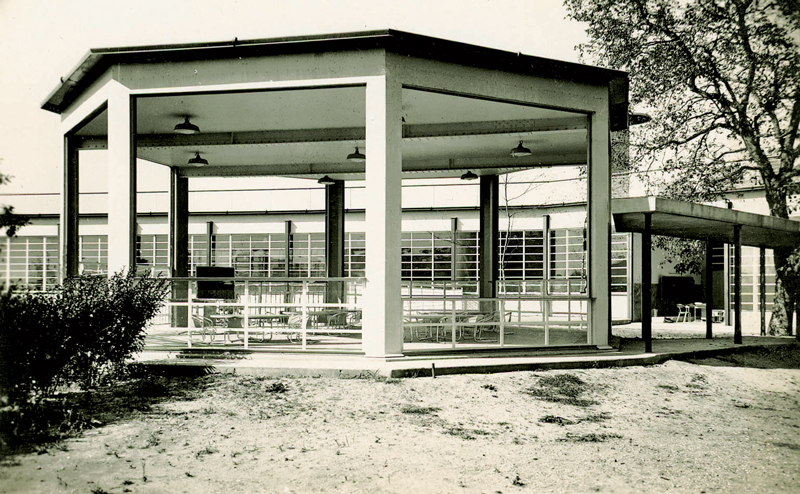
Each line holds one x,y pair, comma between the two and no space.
326,313
542,312
247,311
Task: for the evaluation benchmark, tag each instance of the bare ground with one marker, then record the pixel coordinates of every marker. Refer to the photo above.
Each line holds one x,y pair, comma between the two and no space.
718,425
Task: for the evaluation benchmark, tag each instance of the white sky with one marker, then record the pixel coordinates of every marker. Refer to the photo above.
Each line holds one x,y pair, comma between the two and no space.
43,40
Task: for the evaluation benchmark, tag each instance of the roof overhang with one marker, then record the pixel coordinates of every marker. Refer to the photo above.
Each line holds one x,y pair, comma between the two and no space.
675,218
98,60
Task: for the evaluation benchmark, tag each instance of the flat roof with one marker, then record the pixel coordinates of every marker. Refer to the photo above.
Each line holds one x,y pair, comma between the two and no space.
97,60
675,218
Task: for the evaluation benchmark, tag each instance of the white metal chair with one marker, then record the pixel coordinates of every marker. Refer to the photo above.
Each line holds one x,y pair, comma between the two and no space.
683,312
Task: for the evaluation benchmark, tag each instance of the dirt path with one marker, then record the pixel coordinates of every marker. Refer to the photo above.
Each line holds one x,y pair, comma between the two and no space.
678,427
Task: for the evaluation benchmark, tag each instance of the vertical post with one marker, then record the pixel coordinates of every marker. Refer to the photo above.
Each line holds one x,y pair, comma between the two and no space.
647,286
488,260
179,223
334,240
454,250
70,211
383,309
246,314
287,261
546,249
121,180
709,288
599,218
209,243
762,289
287,254
726,276
179,244
737,284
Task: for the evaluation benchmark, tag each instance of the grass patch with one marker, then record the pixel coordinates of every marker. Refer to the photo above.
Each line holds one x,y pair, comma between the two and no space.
418,410
668,387
467,434
595,417
591,437
561,388
277,387
208,450
555,419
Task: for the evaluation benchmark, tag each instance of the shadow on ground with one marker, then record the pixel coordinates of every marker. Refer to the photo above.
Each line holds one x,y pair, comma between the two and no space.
69,413
770,357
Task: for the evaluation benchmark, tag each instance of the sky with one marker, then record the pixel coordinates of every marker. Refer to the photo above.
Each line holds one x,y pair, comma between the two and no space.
43,40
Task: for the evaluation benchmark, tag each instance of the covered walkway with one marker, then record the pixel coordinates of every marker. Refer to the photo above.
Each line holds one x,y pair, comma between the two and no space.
660,216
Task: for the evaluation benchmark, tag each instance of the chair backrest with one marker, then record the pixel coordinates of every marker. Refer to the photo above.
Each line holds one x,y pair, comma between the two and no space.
338,320
295,321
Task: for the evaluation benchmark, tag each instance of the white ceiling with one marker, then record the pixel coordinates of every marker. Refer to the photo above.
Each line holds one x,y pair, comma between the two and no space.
309,132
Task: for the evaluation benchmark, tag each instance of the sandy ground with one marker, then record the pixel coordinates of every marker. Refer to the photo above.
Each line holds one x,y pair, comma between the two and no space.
701,427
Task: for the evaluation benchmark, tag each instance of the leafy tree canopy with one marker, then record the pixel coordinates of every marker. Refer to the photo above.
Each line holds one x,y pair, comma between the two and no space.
721,79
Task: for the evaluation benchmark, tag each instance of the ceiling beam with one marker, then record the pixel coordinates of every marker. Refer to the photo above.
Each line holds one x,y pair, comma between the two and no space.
355,134
441,165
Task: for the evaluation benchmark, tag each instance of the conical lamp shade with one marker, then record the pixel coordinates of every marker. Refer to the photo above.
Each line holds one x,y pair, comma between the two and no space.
198,161
187,127
520,151
357,156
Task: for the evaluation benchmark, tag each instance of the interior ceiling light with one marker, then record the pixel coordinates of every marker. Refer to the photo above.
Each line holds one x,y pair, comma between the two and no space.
520,151
197,160
469,176
187,127
357,157
326,180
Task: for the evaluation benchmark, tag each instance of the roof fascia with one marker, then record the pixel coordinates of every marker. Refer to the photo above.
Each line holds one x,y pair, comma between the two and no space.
400,42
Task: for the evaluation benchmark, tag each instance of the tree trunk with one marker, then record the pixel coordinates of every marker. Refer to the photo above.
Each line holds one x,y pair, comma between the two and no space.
787,282
779,321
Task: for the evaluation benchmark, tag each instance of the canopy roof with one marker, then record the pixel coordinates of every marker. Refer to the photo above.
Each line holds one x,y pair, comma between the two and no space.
98,59
674,218
309,130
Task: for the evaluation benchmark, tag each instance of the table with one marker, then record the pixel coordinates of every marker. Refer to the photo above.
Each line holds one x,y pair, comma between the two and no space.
233,323
422,321
437,320
698,309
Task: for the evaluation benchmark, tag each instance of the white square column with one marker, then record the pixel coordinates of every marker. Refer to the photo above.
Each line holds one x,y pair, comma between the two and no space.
121,179
383,310
599,205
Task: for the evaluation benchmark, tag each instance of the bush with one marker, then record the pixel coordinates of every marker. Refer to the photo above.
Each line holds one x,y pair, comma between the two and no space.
83,331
